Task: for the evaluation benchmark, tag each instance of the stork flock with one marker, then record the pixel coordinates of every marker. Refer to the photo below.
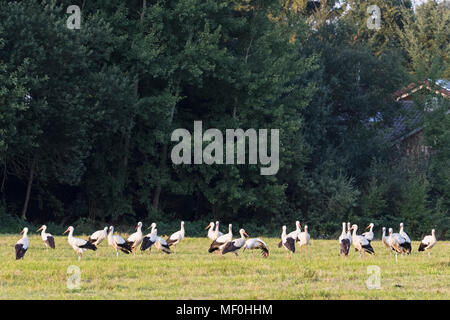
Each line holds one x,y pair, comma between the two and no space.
395,242
117,242
399,243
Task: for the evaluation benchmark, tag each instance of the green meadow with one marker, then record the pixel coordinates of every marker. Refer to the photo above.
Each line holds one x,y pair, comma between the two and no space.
193,273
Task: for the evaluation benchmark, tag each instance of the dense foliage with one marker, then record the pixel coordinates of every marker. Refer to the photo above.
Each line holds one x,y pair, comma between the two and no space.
86,115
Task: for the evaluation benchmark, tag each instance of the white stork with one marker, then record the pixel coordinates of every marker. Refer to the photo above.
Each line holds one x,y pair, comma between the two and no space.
98,236
256,243
135,239
293,234
361,243
149,240
48,239
161,244
303,239
213,234
235,245
176,237
369,234
428,242
218,233
349,233
385,240
408,240
22,245
211,231
78,245
220,241
117,242
344,242
287,242
397,243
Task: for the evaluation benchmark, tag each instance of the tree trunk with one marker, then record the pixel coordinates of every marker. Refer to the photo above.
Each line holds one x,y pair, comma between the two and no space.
27,195
162,164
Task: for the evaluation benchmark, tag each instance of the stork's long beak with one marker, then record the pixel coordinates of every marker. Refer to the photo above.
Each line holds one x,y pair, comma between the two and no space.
208,226
21,232
246,234
368,227
66,231
39,229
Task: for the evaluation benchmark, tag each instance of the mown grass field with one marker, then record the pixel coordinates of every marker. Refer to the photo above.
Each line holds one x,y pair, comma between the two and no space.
193,273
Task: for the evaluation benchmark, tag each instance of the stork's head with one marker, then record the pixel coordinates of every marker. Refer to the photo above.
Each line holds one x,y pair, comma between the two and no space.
105,229
243,233
139,225
297,224
43,227
354,227
370,225
153,225
390,231
68,229
24,231
401,224
182,223
384,230
210,225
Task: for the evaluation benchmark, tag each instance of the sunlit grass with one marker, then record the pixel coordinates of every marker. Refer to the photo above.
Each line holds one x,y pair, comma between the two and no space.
193,273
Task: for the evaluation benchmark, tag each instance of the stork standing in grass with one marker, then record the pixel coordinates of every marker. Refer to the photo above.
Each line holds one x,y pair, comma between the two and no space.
211,231
135,239
361,243
48,239
428,242
369,234
117,242
287,242
176,237
217,245
397,243
256,243
78,245
293,234
235,245
97,237
349,233
218,233
385,240
161,244
21,246
344,242
149,240
408,240
213,234
303,239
